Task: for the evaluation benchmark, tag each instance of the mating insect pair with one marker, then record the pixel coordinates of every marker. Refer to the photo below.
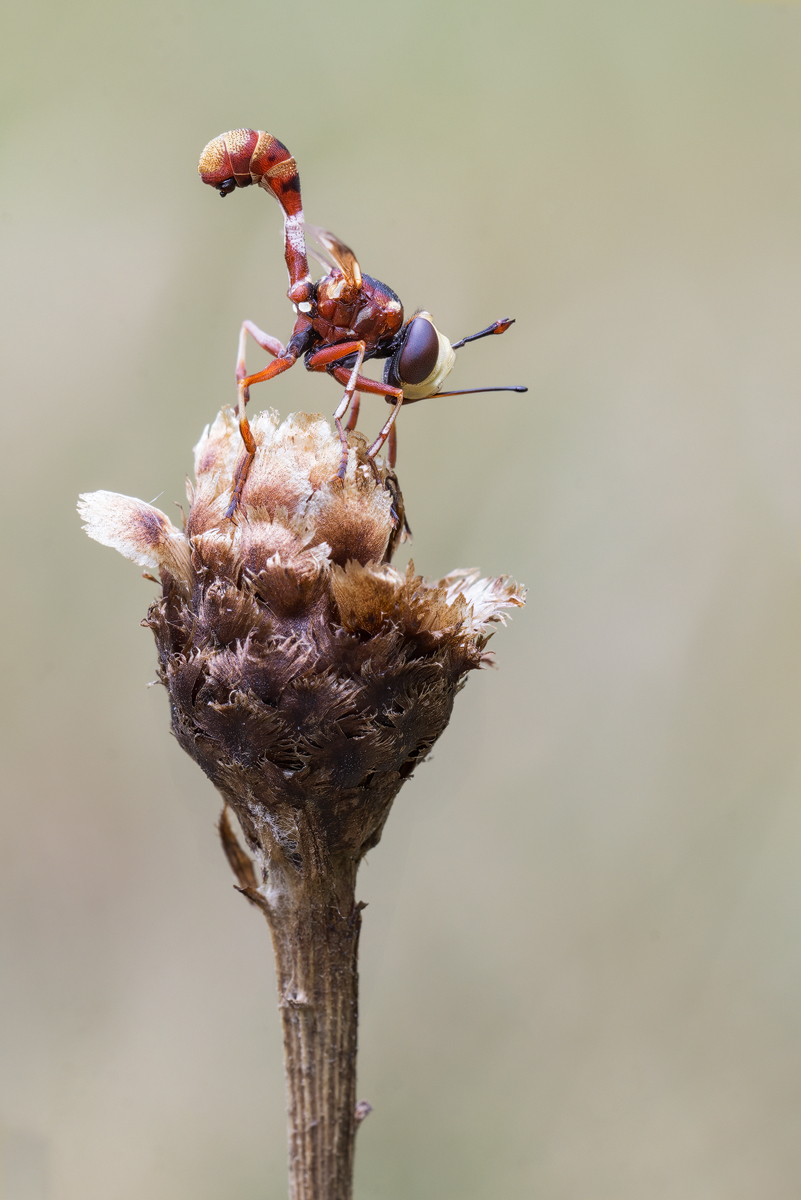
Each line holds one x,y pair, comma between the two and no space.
342,319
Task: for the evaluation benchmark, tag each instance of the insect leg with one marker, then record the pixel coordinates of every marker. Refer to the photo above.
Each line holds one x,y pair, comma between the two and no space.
265,340
354,413
387,429
344,404
287,360
392,395
318,360
323,358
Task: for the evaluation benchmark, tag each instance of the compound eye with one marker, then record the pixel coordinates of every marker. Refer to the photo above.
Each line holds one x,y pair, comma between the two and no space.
226,187
420,351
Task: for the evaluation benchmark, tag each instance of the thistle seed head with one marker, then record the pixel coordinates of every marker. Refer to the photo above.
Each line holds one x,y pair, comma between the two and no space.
306,675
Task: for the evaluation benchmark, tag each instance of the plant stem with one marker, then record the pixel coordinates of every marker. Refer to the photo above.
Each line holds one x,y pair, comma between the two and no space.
315,923
316,947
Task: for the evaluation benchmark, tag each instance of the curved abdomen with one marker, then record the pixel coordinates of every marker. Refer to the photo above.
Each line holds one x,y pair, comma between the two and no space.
252,156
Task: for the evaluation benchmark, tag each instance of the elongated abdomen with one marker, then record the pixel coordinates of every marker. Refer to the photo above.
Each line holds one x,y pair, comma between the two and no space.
244,156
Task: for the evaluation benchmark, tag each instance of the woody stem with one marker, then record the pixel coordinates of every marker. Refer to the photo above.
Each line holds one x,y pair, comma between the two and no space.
316,941
307,894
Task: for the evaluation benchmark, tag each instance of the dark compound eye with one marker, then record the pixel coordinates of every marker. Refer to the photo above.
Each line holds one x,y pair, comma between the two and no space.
226,187
420,351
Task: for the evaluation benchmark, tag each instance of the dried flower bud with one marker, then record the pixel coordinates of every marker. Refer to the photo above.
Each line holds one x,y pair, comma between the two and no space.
306,675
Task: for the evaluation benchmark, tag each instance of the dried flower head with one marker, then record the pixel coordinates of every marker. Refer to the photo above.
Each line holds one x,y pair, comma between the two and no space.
306,675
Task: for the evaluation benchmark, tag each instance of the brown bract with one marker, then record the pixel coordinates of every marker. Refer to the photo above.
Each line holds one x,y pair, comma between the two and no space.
306,675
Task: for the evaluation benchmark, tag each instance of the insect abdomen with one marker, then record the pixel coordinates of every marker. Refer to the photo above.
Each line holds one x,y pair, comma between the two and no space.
253,156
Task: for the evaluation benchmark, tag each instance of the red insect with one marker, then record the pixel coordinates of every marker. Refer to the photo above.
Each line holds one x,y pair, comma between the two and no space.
342,319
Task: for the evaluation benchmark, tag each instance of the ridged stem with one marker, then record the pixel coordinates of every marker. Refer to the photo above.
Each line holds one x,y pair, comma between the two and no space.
316,947
307,894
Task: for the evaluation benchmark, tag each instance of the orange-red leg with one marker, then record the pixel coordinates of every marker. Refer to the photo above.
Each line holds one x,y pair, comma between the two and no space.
388,430
392,395
287,360
323,358
354,414
265,340
243,466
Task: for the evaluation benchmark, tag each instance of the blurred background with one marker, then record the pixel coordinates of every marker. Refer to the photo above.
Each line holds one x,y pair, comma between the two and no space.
581,964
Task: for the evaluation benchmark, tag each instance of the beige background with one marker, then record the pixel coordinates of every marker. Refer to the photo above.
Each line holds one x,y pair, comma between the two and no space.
582,952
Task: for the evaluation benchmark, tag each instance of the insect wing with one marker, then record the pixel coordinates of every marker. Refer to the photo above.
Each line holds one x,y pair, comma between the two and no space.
342,255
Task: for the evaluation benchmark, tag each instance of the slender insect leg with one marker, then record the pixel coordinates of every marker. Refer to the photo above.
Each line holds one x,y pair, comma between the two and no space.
372,387
344,404
244,464
386,430
286,360
354,413
281,364
265,340
318,360
323,358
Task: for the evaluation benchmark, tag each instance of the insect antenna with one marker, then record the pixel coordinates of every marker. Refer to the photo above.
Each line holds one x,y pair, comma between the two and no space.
470,391
496,327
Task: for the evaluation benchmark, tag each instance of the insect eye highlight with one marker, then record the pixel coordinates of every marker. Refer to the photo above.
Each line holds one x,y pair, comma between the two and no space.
420,351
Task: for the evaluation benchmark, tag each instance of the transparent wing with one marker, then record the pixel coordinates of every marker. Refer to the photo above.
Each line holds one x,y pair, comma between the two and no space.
342,255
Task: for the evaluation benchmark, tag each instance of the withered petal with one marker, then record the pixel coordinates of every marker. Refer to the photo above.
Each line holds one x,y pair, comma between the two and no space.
138,530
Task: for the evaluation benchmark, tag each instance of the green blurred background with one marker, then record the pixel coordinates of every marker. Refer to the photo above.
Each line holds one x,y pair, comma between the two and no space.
582,952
